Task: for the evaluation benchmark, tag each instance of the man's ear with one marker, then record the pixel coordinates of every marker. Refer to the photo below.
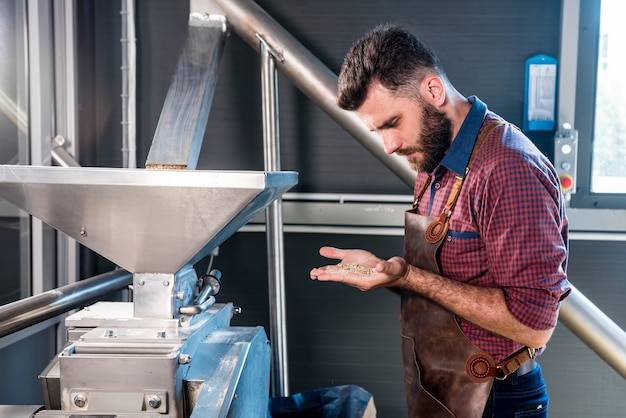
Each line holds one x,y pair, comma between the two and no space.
433,90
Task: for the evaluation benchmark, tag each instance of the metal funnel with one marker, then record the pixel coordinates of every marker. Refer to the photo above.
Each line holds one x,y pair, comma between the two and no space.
146,221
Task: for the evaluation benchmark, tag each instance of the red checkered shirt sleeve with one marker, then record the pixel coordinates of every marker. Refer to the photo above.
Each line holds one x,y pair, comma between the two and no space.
521,219
508,230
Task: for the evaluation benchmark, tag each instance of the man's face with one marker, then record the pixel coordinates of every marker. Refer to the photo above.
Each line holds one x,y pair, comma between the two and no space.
408,127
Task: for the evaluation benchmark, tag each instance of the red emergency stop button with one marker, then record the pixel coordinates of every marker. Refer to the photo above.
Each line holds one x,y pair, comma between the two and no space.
567,182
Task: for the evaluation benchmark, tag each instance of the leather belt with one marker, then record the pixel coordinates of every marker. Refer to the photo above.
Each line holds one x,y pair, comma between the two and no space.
480,367
526,368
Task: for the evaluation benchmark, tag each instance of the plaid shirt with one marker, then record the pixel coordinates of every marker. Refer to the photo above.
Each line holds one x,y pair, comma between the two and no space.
508,228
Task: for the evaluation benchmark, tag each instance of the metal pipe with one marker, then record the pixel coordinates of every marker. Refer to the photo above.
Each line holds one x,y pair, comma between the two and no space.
309,74
23,313
274,221
129,82
595,329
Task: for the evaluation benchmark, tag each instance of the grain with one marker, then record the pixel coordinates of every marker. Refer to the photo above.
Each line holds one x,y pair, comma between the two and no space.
354,268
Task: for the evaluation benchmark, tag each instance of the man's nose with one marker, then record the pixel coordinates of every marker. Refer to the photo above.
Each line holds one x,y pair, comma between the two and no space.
390,142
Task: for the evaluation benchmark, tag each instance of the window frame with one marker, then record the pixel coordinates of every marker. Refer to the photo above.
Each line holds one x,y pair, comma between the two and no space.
586,80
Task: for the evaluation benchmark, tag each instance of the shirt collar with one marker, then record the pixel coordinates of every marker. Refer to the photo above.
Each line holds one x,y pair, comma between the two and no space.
458,155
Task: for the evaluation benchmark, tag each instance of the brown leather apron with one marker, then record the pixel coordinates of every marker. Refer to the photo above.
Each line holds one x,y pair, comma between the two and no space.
434,348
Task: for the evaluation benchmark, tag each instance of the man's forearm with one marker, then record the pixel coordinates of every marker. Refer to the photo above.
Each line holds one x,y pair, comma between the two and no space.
483,306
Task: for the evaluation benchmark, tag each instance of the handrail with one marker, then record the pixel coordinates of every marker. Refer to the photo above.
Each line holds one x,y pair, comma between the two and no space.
595,329
23,313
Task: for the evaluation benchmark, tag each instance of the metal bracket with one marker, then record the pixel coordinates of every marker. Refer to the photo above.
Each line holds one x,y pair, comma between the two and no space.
59,155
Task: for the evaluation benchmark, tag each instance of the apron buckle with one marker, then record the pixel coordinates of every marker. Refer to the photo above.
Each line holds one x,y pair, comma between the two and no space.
437,229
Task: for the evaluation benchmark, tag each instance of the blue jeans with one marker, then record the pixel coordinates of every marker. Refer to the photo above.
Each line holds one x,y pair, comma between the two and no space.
518,396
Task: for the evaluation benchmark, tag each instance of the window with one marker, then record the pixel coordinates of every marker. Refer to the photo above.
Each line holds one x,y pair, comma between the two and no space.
608,167
601,105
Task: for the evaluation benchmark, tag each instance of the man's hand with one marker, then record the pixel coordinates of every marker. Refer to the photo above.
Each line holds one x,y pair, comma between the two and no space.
360,269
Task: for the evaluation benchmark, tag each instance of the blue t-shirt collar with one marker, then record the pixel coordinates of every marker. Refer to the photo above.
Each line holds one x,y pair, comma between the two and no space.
458,155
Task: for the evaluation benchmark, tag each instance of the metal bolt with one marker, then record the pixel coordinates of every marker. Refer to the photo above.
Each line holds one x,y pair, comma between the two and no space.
184,359
141,282
80,400
237,309
166,283
109,333
59,140
83,231
154,401
180,295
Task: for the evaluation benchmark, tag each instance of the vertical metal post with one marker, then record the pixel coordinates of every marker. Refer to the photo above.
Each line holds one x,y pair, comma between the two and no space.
23,124
274,223
41,90
65,124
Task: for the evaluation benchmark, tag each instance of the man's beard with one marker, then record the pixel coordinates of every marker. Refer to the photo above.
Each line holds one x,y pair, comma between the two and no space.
434,139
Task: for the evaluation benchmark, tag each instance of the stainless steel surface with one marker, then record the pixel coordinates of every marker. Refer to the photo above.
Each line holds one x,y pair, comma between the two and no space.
143,220
18,411
595,329
151,358
205,368
39,270
26,312
112,315
188,101
307,72
274,222
160,295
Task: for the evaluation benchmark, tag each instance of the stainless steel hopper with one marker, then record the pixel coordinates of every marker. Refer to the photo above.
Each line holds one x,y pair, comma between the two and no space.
146,221
155,224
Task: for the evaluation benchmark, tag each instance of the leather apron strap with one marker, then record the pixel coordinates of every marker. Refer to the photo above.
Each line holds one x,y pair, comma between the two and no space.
434,349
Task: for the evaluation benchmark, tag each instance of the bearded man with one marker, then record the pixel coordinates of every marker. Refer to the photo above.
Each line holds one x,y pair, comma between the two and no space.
486,241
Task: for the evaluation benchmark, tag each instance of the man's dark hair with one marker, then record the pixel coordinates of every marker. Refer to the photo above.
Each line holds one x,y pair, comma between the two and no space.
389,54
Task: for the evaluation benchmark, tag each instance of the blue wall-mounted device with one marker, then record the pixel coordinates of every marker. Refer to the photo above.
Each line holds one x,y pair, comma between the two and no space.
540,93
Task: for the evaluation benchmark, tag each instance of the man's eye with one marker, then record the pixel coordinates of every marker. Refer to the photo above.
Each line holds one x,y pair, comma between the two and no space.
394,124
391,124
